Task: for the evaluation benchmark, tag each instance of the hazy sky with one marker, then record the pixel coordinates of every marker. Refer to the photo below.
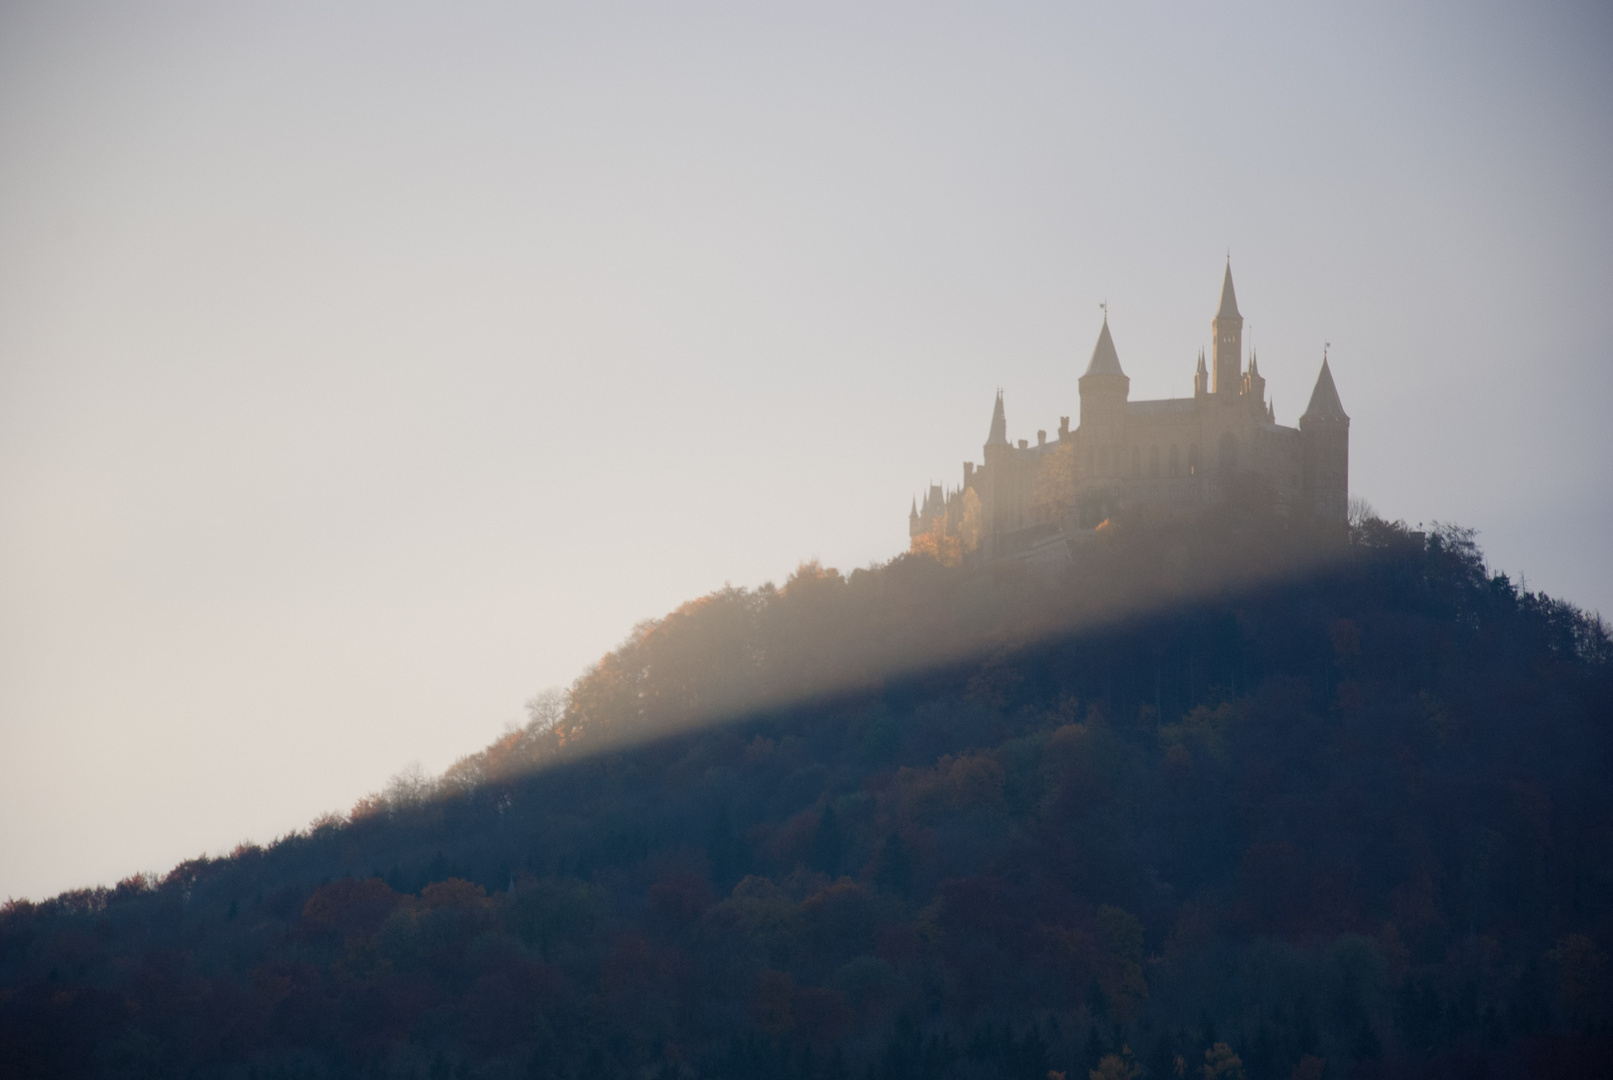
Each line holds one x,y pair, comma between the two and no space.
365,369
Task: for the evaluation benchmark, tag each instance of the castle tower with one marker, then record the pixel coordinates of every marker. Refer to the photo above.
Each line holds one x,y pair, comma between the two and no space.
998,435
996,480
1104,387
1324,436
1227,328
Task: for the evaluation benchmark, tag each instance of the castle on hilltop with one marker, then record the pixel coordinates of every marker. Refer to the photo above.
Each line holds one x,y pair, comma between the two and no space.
1224,442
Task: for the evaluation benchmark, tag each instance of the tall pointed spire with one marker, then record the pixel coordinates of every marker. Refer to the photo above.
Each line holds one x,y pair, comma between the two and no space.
1229,299
1325,402
999,424
1226,365
1105,361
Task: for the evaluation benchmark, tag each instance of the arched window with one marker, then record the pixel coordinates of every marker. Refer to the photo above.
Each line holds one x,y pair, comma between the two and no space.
1176,464
1153,460
1229,453
1193,460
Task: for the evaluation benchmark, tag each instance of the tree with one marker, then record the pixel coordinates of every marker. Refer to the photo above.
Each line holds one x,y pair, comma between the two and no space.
828,843
1221,1062
544,710
1116,1067
938,543
1310,1067
971,521
410,788
895,873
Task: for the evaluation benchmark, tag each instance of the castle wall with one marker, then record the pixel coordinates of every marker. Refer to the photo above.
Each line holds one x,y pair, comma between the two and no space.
1181,452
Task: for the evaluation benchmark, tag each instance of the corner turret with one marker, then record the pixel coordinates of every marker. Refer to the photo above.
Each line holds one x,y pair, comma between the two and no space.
1324,434
1325,404
1104,387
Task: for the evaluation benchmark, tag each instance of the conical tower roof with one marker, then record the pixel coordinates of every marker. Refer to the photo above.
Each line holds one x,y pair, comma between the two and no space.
1105,361
1325,404
999,424
1229,299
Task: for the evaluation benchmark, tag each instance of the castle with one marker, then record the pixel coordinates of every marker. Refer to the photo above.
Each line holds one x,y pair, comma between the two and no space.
1224,442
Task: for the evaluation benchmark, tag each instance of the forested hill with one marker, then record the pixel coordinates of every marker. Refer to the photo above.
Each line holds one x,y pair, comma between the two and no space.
1223,799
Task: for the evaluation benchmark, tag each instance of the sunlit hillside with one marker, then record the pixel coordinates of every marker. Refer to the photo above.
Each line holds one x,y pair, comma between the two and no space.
1224,798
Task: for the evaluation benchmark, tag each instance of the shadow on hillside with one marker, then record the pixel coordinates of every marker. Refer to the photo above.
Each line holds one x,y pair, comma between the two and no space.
825,637
1221,792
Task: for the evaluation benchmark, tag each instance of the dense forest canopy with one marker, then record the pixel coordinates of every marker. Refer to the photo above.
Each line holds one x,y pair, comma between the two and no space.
1225,797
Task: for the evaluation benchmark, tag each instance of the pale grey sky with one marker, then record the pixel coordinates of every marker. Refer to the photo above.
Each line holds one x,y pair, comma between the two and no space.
366,368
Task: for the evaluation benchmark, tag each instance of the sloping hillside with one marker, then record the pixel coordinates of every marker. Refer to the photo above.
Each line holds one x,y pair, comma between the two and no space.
1224,798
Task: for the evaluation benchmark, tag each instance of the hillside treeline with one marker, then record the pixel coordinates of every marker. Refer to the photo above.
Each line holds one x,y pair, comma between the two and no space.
1222,799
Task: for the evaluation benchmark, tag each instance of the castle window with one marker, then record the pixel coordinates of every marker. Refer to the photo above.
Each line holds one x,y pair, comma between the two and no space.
1153,461
1176,465
1193,460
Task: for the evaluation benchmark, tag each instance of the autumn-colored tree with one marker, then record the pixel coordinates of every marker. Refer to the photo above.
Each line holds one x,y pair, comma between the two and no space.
1116,1067
1220,1063
453,893
349,905
1054,494
938,543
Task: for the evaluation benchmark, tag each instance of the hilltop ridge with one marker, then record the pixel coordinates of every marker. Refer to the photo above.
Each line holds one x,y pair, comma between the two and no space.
1223,794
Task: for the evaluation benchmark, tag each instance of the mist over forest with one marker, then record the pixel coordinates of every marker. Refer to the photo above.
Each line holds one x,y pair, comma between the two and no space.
1228,796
